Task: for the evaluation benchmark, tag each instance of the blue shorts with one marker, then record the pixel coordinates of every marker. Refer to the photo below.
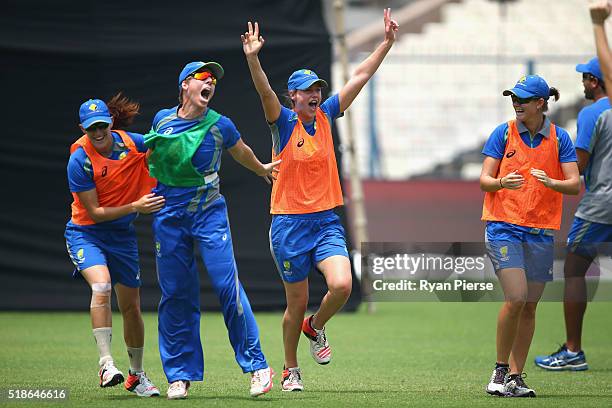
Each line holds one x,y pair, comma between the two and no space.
299,241
115,248
589,239
514,246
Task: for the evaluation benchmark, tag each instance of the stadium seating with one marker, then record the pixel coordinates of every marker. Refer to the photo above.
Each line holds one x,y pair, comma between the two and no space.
438,93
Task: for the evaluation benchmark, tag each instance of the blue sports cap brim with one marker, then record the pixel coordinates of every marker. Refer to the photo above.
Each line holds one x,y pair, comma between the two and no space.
587,69
584,68
96,119
310,83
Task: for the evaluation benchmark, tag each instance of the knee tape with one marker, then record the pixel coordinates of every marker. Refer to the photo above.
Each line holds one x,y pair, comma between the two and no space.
100,295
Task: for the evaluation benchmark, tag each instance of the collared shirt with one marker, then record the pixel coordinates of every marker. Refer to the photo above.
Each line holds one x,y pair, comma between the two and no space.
496,144
283,127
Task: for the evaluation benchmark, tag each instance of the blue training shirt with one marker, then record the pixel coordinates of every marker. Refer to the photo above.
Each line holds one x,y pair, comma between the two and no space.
80,174
284,125
206,159
496,144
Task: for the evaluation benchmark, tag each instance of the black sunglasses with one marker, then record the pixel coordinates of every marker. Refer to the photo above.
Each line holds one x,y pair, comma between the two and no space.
96,126
523,101
586,75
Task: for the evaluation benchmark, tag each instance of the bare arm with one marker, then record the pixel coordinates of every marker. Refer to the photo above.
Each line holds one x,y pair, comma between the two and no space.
146,204
583,159
570,184
252,42
599,13
244,155
368,67
490,183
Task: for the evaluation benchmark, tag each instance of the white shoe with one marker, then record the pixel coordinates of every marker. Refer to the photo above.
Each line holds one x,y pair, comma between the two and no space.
261,381
498,381
140,384
178,389
516,387
292,380
110,375
319,347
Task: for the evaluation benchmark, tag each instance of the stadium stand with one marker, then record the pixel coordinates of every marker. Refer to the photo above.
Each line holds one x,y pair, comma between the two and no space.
460,65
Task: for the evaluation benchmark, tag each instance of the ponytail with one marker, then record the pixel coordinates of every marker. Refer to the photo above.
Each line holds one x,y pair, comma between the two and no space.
123,110
554,92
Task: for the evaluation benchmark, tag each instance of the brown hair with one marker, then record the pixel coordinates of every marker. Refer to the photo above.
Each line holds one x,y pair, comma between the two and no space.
123,110
554,92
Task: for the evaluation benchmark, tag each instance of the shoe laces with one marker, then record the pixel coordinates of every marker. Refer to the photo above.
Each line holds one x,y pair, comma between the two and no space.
519,380
256,377
144,380
321,339
176,385
562,350
499,375
294,376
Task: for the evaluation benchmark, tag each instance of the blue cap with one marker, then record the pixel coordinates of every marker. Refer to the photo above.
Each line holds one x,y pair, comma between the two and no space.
94,111
591,67
215,68
530,86
303,79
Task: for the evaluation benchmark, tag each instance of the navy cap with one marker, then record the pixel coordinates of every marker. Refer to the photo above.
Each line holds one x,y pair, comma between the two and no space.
94,111
530,86
592,67
215,68
303,79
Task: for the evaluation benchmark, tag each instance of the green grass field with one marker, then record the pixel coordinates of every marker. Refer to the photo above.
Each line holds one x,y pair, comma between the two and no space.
406,354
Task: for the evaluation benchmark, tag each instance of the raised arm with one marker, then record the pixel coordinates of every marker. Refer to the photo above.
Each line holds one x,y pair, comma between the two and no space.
600,11
368,67
252,42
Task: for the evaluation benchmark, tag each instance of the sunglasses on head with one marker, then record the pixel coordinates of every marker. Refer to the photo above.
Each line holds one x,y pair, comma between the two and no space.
523,101
201,76
96,126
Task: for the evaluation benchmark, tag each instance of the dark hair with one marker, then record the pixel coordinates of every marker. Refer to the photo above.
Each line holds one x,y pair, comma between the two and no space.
123,110
285,99
554,92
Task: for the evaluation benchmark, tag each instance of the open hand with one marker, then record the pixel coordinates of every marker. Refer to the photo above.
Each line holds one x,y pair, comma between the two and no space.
251,40
149,203
269,171
513,181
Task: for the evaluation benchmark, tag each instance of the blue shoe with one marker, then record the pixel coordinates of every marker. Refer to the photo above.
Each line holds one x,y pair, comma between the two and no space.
561,360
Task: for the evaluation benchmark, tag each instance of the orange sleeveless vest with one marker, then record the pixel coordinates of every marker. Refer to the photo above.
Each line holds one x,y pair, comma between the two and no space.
118,182
308,178
533,205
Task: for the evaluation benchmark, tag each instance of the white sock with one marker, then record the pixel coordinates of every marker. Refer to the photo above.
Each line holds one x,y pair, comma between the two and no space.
135,354
103,336
572,353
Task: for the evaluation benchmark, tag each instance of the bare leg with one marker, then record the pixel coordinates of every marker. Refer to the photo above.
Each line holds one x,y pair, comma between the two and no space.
514,284
297,302
337,272
526,328
574,301
133,325
100,309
